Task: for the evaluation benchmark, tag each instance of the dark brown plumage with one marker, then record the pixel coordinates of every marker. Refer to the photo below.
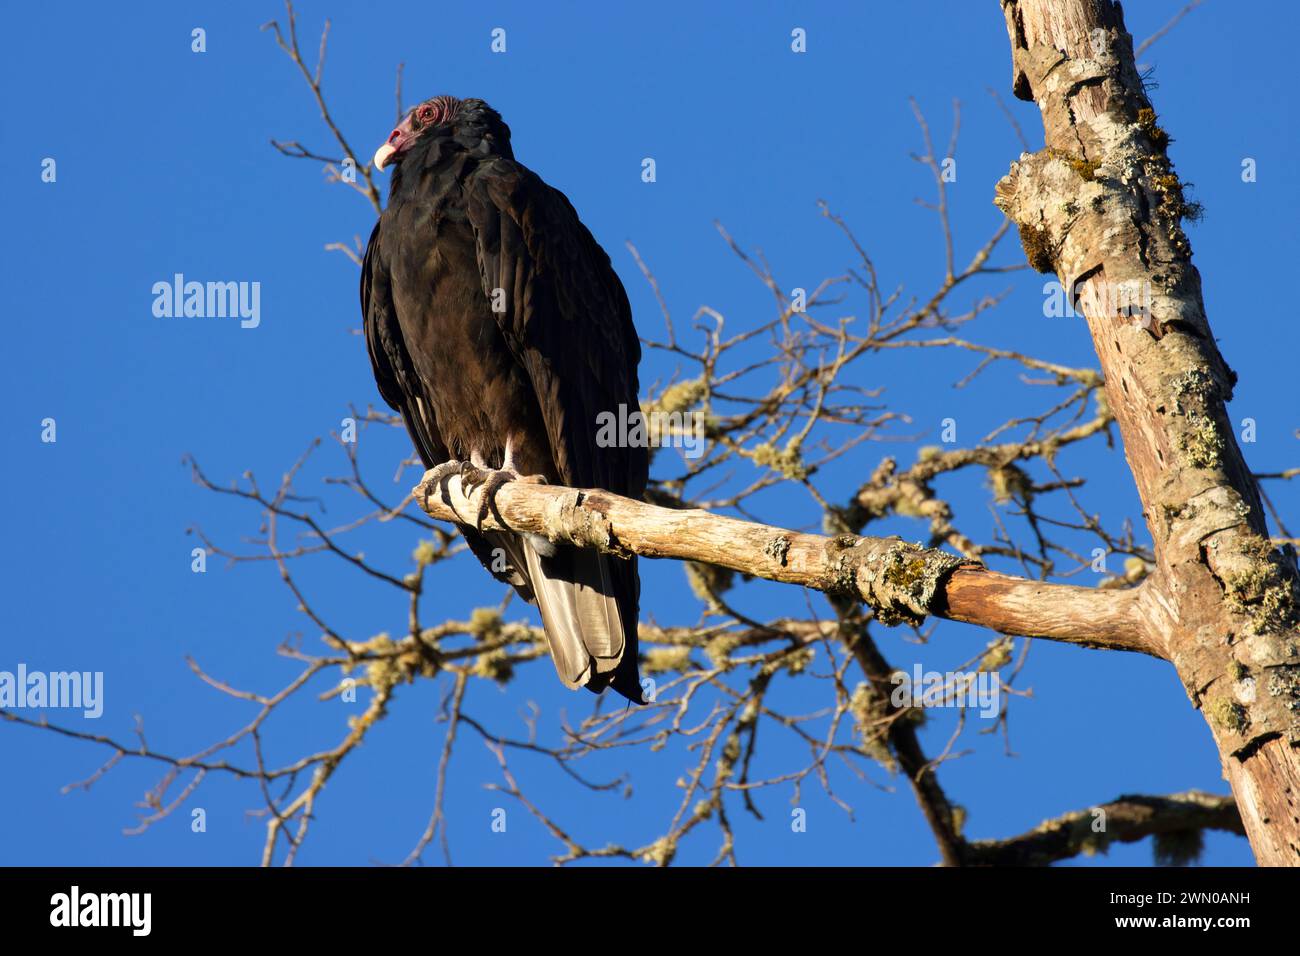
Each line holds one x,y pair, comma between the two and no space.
467,225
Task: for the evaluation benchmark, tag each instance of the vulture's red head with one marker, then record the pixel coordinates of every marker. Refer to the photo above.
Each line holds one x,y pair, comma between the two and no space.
443,114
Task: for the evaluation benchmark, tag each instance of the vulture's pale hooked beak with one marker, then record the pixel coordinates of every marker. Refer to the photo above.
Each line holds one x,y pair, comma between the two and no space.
383,154
398,140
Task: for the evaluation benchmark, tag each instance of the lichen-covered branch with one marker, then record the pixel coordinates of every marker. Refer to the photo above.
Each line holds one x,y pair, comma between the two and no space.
900,581
1176,821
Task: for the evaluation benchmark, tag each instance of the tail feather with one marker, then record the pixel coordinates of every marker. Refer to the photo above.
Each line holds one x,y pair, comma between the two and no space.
589,613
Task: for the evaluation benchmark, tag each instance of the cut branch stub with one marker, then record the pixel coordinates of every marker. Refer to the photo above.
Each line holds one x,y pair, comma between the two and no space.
897,580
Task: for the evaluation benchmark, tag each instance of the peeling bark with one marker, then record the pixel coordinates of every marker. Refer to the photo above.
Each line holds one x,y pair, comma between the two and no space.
1102,207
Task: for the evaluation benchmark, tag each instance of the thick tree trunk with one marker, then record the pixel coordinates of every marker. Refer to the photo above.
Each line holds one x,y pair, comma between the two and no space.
1102,208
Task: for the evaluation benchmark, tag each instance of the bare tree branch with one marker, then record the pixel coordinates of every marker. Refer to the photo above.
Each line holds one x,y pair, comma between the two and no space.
899,581
1124,820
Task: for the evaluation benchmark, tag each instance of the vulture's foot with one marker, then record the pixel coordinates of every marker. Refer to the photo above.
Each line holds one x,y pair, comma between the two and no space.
440,475
473,477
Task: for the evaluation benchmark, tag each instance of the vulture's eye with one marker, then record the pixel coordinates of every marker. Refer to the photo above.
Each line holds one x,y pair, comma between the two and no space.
426,113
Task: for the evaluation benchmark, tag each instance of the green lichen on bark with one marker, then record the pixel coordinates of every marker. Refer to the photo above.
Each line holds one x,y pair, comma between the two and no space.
393,662
1228,715
1146,119
1173,200
1265,591
708,581
1283,682
997,654
1169,192
905,573
665,660
424,554
796,662
871,716
1200,441
1196,383
719,649
1010,482
777,548
495,665
661,852
843,572
485,623
1085,169
787,462
1201,444
681,397
896,579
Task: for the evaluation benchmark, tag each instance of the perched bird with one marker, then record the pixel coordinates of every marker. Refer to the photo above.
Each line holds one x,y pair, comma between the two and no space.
498,329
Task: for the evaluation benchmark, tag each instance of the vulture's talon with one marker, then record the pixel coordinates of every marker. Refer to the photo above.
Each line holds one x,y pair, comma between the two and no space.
440,475
471,476
491,480
489,502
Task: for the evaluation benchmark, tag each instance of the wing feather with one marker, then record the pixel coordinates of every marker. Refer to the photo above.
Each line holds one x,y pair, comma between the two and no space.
404,392
566,317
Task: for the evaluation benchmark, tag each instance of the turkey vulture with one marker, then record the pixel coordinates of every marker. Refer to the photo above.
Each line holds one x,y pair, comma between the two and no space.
498,329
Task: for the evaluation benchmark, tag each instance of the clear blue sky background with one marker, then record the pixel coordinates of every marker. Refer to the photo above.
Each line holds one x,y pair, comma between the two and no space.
164,166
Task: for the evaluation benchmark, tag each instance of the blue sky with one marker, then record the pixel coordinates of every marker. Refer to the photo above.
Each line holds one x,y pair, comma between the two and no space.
164,166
